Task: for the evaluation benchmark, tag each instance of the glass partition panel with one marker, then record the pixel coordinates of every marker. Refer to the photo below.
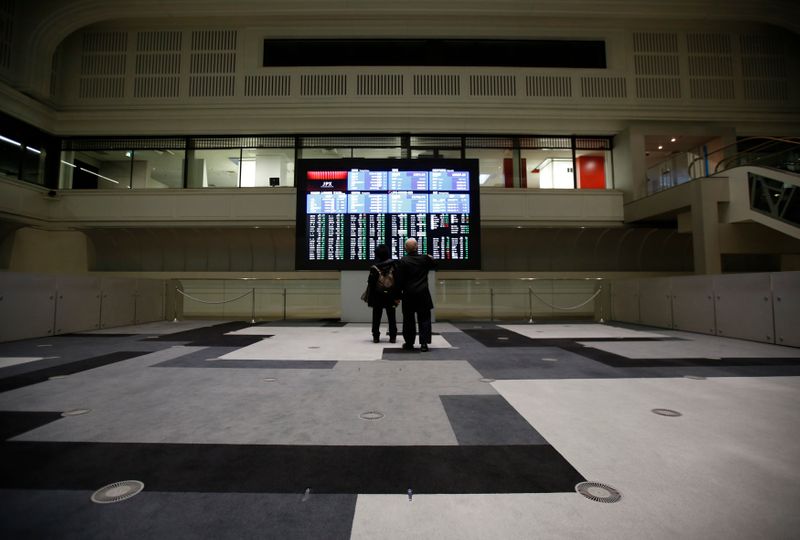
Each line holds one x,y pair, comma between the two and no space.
495,165
157,169
259,299
213,168
33,165
264,167
95,169
327,153
516,299
10,150
378,153
424,153
548,169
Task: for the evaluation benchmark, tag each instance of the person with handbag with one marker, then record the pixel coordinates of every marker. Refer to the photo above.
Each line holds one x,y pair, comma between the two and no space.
382,293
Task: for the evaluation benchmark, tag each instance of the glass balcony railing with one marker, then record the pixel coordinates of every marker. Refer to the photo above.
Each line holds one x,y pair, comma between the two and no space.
774,152
455,299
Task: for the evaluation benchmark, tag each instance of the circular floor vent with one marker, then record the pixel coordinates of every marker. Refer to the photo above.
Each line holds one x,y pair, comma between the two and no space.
486,380
667,412
598,492
371,415
118,491
549,359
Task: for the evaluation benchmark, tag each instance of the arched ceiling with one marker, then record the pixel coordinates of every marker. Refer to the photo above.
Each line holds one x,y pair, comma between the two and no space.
40,25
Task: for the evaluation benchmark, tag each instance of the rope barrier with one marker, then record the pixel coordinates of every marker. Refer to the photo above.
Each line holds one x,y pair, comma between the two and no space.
570,308
208,302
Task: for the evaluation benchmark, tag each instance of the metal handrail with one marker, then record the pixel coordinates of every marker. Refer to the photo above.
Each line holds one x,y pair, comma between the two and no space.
768,141
750,152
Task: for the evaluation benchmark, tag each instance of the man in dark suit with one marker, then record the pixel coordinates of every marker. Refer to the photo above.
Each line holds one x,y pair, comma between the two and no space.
412,281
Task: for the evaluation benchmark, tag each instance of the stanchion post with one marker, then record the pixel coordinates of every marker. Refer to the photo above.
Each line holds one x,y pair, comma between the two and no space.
253,306
491,304
530,305
602,301
175,306
284,304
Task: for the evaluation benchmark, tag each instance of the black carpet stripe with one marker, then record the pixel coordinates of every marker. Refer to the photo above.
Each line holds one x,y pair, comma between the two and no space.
288,469
483,420
213,336
13,423
323,323
582,346
501,337
98,335
41,375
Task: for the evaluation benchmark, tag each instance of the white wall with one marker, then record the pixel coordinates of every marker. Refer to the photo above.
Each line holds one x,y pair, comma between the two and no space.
759,307
39,305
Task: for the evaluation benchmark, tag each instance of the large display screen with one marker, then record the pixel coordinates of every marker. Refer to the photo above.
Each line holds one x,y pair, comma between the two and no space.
347,207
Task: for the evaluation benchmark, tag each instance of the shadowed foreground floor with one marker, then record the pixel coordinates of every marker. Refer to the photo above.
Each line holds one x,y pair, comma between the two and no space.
311,430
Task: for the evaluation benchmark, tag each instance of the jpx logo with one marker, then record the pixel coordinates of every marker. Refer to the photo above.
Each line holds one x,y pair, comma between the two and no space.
327,184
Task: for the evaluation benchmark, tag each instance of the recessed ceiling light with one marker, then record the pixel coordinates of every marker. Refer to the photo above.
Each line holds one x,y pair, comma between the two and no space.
673,139
660,147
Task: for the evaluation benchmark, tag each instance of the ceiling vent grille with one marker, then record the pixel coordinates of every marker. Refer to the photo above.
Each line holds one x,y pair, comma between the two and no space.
435,142
212,63
103,65
267,85
656,65
650,42
764,68
489,142
379,85
201,143
761,45
548,86
658,88
123,143
712,88
709,44
323,85
710,66
766,90
555,143
604,87
437,85
158,64
583,143
211,86
492,85
340,142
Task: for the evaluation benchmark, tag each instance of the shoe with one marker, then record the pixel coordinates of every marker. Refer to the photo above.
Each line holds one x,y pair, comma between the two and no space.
408,347
375,340
392,340
423,347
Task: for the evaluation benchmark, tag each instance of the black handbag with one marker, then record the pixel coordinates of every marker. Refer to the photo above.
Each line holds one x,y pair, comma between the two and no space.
365,294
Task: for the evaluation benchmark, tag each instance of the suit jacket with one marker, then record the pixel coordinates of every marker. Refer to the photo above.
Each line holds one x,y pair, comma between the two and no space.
412,280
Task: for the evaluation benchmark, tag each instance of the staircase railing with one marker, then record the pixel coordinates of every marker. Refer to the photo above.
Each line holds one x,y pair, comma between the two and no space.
776,152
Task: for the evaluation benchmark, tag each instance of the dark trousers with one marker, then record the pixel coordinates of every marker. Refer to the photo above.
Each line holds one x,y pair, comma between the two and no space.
423,317
377,313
